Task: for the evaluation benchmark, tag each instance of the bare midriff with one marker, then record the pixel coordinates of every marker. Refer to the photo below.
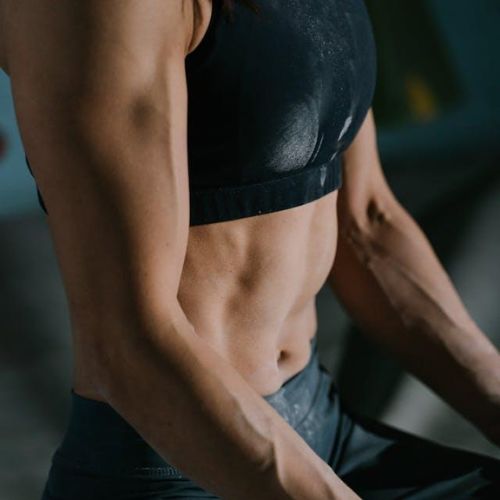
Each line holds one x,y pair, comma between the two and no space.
249,285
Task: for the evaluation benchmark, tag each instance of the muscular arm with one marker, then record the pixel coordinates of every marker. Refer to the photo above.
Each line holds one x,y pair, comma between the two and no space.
396,290
101,99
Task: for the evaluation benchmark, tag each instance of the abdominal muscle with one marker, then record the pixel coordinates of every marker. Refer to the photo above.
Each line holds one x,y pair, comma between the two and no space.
249,285
248,288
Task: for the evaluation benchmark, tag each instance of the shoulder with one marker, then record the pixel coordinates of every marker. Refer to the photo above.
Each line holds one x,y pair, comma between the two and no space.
202,11
151,27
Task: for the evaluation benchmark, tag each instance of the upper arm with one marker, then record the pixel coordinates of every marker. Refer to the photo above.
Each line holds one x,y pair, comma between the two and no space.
100,96
365,195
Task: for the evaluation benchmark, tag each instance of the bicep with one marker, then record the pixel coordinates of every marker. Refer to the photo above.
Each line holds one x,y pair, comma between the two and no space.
101,100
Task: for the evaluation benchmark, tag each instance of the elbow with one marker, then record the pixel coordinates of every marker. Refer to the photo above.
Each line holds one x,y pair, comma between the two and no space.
115,351
367,220
378,213
368,229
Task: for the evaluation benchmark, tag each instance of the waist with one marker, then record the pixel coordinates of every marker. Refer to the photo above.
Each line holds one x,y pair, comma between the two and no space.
99,441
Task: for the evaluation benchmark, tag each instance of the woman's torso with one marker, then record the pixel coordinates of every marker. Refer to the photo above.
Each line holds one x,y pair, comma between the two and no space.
248,284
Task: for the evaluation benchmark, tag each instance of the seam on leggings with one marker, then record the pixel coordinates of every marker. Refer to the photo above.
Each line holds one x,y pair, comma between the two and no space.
168,472
344,441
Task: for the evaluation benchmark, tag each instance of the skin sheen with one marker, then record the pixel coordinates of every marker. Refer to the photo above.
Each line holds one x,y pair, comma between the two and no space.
212,317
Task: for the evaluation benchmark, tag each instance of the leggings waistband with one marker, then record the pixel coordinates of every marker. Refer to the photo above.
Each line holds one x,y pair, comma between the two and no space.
99,440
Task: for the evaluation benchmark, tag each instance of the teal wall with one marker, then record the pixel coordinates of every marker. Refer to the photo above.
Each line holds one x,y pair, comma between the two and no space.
468,28
17,193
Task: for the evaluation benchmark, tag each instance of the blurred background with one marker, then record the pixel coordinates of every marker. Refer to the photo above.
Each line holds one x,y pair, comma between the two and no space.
437,108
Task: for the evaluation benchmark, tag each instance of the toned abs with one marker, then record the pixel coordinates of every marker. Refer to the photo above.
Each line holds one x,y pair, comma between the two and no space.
248,286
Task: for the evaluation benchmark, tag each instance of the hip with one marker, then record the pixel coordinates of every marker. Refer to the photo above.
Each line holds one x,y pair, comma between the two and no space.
102,456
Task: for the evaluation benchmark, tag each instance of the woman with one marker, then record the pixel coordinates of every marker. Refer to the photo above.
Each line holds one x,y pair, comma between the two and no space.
192,296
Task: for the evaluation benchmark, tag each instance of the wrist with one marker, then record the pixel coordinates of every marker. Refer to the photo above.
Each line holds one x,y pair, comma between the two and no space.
317,481
487,407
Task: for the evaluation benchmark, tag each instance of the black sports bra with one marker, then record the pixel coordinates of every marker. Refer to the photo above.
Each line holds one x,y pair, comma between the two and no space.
274,99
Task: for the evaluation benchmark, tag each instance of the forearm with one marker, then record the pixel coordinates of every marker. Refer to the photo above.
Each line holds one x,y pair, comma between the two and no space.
201,416
393,285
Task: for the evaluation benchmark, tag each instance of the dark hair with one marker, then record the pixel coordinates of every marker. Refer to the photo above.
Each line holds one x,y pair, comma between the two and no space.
228,5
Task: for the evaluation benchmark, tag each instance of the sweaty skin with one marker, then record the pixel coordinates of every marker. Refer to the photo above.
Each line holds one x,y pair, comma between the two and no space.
175,327
252,282
247,287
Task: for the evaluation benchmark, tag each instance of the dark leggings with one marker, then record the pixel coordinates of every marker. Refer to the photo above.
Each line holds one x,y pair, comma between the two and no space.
102,457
